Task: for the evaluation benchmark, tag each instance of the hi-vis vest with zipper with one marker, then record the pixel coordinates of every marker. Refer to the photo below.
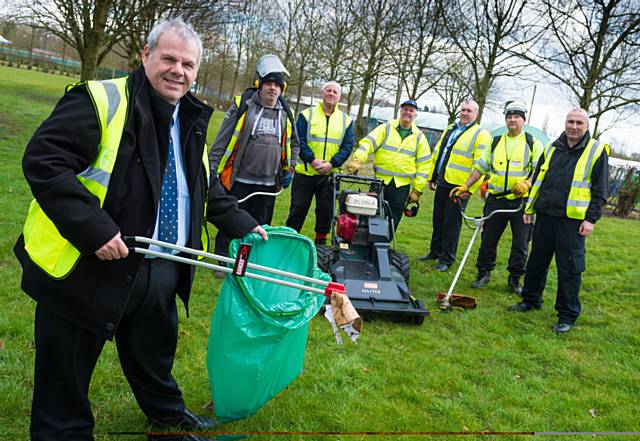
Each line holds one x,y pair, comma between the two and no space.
506,172
323,139
405,160
46,247
225,167
580,192
467,149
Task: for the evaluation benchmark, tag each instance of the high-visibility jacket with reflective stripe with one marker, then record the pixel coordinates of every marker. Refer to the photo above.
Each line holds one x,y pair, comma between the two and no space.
505,171
580,192
46,247
225,166
323,139
467,150
407,161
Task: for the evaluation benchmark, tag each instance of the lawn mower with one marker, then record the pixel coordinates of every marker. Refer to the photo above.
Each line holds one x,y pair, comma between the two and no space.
362,254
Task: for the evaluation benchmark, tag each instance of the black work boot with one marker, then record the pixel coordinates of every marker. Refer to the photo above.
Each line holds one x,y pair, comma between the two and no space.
514,285
482,279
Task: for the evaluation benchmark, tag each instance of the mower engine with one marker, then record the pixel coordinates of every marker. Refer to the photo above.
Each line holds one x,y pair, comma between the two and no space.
355,222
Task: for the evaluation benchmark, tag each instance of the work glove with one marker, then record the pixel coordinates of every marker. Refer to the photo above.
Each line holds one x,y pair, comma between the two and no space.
353,166
414,196
459,191
519,189
286,177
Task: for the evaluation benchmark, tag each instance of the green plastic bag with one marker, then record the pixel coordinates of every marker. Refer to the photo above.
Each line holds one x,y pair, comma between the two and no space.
259,329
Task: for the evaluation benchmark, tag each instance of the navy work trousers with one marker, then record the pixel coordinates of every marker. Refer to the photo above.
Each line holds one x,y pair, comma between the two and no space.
559,236
492,232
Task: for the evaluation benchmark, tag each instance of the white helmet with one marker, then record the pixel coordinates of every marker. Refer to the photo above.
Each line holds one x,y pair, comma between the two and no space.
515,108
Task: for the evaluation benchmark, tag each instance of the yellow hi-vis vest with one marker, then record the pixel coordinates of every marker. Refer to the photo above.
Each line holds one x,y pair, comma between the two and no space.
506,172
580,192
323,139
46,247
467,149
405,160
225,167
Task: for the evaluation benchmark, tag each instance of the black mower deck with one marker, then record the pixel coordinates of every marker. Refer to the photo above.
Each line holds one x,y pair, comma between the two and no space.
375,276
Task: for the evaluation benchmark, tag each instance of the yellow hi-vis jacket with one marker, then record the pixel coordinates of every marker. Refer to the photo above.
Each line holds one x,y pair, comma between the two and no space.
505,170
323,139
225,166
46,247
406,161
580,192
466,151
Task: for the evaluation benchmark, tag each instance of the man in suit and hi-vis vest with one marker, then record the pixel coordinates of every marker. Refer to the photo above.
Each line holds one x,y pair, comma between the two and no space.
119,157
457,152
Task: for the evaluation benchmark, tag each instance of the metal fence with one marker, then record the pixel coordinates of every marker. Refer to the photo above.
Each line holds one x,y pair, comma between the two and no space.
52,63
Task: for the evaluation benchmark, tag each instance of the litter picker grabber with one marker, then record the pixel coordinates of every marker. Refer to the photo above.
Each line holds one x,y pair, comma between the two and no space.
239,266
449,301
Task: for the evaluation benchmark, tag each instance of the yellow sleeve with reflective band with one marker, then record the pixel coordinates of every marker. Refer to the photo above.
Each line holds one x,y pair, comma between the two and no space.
538,149
370,143
483,143
483,164
423,164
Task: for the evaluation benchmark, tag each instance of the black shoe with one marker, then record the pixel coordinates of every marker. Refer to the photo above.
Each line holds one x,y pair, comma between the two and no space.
428,257
514,285
482,279
441,267
522,307
562,327
187,421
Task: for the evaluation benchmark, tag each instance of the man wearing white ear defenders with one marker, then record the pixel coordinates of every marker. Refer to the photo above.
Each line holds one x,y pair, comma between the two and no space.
256,146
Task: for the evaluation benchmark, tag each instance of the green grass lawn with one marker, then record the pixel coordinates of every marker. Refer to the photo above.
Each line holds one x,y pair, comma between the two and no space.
483,370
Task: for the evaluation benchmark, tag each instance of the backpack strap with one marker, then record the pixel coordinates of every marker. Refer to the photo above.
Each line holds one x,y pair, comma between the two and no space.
243,99
529,138
494,143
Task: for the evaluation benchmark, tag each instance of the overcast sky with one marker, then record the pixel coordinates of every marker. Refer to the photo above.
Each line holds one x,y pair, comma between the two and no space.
550,106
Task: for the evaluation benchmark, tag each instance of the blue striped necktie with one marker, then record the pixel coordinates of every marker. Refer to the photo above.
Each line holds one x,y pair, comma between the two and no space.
168,225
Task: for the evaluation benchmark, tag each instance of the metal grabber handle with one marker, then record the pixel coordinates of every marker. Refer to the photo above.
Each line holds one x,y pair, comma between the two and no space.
329,286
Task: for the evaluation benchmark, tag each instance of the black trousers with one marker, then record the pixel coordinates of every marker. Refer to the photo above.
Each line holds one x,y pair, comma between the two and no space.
303,189
447,222
396,197
146,341
260,207
559,236
492,232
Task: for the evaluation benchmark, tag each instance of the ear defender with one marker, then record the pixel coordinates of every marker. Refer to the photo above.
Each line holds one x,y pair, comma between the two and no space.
411,210
256,84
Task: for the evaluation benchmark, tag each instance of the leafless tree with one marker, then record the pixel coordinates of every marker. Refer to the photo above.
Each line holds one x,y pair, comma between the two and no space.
377,22
92,27
592,48
415,48
336,38
487,33
454,84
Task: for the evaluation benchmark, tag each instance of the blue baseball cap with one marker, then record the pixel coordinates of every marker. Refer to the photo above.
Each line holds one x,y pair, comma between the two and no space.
411,103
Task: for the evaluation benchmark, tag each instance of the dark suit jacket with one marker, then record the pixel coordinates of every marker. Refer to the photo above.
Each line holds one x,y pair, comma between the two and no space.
95,293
